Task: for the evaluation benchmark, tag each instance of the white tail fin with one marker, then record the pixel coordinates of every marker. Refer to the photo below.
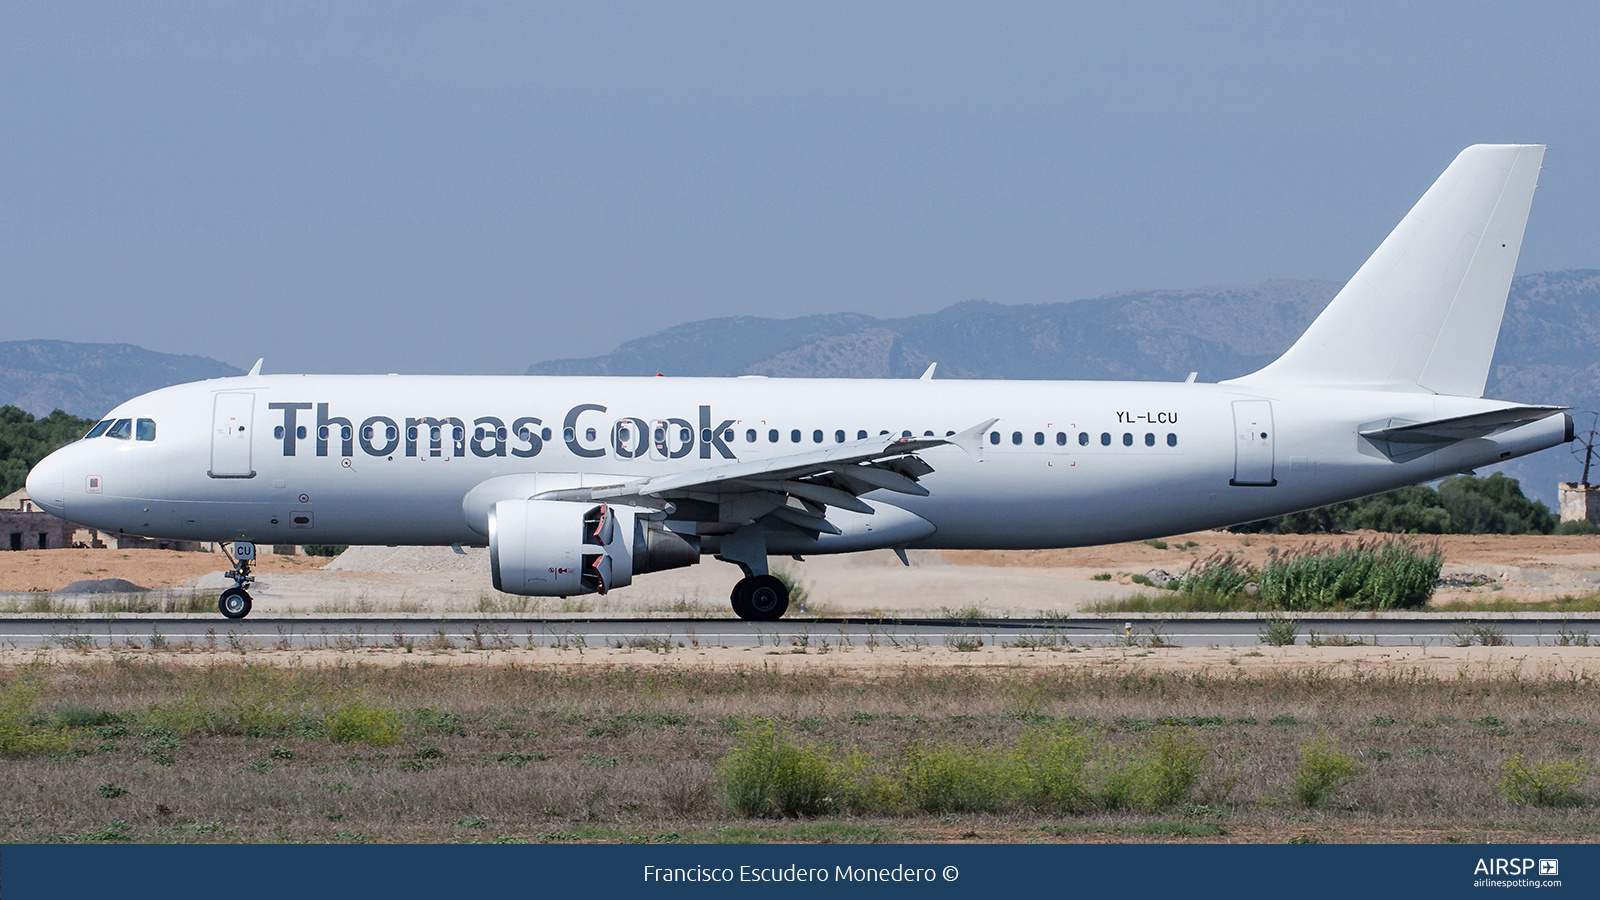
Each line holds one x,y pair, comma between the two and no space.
1423,313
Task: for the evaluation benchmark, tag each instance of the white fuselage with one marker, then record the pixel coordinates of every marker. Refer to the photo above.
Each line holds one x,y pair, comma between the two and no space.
1132,460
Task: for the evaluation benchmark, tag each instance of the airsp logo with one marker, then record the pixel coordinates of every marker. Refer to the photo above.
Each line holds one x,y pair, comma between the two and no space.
1549,867
1502,866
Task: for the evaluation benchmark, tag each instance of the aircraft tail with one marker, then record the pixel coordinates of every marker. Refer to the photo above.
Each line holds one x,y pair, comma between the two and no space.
1423,313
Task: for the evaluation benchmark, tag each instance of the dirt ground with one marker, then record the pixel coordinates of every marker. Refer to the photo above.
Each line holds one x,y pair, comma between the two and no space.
1018,583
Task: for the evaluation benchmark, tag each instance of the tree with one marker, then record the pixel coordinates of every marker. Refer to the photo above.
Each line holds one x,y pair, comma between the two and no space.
25,440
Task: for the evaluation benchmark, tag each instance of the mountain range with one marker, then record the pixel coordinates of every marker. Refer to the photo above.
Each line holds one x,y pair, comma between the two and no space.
88,379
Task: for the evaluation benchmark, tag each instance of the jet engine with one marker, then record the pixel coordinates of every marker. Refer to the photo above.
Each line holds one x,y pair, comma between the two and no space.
557,548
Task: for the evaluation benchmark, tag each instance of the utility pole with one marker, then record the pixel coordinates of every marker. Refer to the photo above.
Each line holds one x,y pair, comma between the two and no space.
1586,444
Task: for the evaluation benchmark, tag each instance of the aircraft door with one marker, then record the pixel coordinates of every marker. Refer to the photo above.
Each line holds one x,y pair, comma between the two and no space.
230,435
1253,436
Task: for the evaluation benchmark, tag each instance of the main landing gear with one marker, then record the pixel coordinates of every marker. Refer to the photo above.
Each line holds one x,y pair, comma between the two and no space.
235,601
760,598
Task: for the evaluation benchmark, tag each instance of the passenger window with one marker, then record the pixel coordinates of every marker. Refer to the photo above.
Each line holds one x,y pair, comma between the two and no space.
544,434
905,434
1127,439
301,432
994,437
1083,438
588,433
1061,439
1038,438
794,436
772,435
1172,440
838,437
750,436
145,430
927,434
728,435
98,430
1016,437
1149,439
1105,438
861,435
816,436
121,430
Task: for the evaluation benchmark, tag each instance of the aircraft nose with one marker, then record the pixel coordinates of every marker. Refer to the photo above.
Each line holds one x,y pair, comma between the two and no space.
47,484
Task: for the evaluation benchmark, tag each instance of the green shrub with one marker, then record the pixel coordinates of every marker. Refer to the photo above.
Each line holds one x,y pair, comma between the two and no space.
21,733
361,722
1542,782
1464,504
946,778
324,549
1323,770
866,786
76,715
1278,631
1053,764
1160,774
768,774
1581,526
1383,574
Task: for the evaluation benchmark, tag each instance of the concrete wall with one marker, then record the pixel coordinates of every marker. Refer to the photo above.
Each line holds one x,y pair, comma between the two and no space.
1579,502
34,531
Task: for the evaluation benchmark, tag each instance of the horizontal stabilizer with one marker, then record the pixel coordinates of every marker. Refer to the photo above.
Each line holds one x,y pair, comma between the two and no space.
1460,428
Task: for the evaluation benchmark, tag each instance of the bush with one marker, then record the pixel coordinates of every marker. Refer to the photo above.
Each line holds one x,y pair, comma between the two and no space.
1278,631
361,722
1323,770
1543,782
1384,574
1054,769
21,734
1581,526
944,778
324,549
768,774
1157,776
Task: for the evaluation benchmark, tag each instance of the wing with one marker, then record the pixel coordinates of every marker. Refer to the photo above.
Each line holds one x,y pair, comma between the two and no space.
814,480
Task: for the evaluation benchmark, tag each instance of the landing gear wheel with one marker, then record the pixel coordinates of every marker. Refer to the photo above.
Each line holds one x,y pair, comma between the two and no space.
234,603
760,598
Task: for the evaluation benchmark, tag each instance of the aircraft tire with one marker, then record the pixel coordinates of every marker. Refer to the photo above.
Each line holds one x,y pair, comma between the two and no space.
234,603
741,600
766,597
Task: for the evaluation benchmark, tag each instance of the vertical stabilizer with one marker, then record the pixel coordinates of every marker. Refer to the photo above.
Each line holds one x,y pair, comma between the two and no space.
1423,313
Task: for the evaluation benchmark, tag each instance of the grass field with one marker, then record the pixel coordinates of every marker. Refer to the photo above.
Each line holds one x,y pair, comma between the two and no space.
146,749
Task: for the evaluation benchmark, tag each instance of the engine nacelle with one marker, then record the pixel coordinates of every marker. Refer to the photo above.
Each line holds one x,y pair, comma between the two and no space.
557,548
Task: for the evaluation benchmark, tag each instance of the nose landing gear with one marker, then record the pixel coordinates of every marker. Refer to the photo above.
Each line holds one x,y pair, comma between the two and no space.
235,601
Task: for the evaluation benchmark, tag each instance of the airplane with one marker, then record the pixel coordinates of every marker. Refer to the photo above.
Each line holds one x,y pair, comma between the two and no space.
578,484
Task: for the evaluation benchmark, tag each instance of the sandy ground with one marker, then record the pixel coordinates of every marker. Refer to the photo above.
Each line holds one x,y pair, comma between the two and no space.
1017,583
1577,664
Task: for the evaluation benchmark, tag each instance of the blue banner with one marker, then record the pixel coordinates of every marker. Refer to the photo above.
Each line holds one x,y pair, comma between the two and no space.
279,872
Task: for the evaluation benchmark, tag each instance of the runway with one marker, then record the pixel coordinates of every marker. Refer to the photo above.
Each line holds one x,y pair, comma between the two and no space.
348,631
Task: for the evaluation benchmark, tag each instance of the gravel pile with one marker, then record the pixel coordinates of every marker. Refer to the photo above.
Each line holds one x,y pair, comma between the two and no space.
103,586
412,560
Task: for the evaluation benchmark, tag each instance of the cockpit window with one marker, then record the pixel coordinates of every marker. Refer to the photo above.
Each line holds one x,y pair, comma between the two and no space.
99,429
145,430
122,430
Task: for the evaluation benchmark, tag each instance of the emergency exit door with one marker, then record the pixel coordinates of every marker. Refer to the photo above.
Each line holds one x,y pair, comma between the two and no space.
230,436
1253,435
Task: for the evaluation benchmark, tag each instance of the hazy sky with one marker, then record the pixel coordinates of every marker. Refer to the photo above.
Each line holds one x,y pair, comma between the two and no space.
453,187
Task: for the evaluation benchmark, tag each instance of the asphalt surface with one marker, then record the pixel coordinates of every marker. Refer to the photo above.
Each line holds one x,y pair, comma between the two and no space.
348,631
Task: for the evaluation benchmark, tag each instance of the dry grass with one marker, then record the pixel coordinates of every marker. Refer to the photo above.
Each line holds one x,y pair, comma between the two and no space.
233,751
